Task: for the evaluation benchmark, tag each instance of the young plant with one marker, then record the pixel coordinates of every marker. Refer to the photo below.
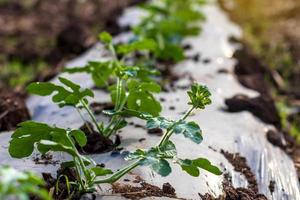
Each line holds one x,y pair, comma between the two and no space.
20,185
133,87
168,23
32,135
158,157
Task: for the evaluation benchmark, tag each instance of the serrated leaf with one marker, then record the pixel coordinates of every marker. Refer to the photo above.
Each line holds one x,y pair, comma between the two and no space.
199,96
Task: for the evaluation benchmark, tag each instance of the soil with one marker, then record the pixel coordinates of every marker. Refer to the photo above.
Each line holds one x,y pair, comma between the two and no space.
251,73
145,190
97,107
240,165
13,110
49,32
232,193
272,186
62,192
96,142
46,159
262,107
155,131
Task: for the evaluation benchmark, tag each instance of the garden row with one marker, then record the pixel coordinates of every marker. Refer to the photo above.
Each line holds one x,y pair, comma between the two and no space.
132,77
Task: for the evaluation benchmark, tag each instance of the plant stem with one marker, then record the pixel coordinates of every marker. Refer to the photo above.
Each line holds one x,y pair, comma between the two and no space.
87,124
170,131
86,107
117,175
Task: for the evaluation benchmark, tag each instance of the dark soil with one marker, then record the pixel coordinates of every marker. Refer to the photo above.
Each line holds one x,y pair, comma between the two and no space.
232,193
272,186
96,142
252,73
145,190
62,192
276,138
99,107
13,110
52,30
262,107
240,165
155,131
46,159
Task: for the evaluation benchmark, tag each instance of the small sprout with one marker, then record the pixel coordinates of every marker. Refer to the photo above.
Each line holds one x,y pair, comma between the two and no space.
44,138
199,96
105,37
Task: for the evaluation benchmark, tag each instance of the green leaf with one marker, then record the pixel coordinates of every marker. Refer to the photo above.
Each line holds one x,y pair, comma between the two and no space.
138,45
187,166
79,137
190,130
20,148
47,138
42,89
99,71
140,97
99,171
169,149
159,122
23,139
162,167
206,165
199,96
48,145
62,95
105,37
192,166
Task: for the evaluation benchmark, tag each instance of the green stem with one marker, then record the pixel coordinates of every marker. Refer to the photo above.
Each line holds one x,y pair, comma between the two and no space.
87,124
117,175
170,131
86,107
78,174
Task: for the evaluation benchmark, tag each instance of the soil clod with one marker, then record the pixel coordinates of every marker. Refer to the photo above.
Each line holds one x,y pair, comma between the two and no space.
262,107
13,110
96,142
145,190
